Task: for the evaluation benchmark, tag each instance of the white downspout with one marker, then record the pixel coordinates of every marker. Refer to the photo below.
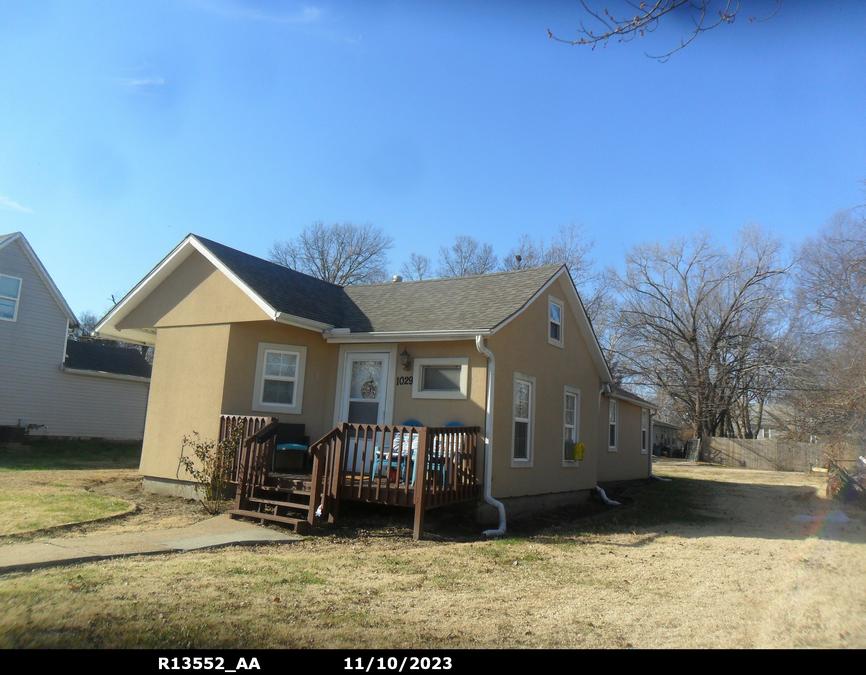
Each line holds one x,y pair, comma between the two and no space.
488,438
605,389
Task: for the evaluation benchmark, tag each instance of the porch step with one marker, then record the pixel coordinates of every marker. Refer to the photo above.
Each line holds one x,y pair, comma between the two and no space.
303,492
278,502
298,524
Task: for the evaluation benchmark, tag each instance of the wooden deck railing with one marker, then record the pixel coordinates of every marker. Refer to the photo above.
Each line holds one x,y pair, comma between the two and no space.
252,425
420,467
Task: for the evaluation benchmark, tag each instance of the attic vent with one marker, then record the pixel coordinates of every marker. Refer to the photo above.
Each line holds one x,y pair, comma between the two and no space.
397,279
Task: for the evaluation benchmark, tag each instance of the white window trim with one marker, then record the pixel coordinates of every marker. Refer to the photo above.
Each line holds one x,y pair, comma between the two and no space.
559,303
419,363
571,463
258,389
644,430
530,435
17,300
612,405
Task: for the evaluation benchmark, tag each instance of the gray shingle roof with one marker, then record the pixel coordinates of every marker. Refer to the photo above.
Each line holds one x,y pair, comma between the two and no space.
454,303
616,390
451,304
105,358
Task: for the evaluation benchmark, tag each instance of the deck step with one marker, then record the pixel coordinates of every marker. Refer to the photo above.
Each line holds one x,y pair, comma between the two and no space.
276,502
299,524
304,492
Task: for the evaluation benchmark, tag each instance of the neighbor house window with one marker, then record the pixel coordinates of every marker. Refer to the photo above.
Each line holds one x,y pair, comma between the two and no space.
10,293
554,334
571,424
524,408
611,443
279,385
644,430
440,378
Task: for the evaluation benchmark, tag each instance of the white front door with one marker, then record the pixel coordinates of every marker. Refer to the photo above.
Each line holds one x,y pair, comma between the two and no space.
365,393
365,387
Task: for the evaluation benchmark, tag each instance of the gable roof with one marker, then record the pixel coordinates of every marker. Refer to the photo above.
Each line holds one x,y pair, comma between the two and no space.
449,308
103,358
6,239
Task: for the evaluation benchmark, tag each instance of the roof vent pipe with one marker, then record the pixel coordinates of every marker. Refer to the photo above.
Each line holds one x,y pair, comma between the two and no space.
488,438
396,278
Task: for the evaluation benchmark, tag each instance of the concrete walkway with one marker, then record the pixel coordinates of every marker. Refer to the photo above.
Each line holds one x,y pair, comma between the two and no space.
211,533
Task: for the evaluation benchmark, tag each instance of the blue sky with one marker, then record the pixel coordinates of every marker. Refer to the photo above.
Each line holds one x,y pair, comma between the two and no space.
124,126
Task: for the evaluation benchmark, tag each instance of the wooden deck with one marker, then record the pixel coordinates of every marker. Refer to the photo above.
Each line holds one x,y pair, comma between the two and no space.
410,467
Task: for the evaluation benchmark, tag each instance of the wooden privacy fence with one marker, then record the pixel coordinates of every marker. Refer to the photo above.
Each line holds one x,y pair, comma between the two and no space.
767,454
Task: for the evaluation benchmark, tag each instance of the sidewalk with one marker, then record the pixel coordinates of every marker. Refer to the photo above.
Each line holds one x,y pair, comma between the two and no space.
211,533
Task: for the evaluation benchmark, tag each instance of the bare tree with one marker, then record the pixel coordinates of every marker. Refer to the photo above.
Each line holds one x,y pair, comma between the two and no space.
568,246
86,323
698,322
830,399
419,267
640,18
467,256
343,254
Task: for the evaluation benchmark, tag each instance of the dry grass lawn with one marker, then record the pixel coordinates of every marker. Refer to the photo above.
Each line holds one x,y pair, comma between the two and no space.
712,559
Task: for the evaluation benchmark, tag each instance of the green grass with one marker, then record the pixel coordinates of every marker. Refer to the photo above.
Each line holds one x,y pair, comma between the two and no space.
71,455
27,512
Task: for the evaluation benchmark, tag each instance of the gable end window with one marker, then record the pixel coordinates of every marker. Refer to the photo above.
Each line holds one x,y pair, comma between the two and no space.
523,420
554,323
644,429
440,378
279,385
611,442
10,294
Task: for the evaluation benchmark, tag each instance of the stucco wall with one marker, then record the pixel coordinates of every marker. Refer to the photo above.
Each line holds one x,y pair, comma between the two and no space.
196,293
522,346
33,387
320,374
627,462
186,394
439,412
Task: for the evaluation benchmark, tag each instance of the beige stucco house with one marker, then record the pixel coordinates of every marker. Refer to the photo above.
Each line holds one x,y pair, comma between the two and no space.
512,353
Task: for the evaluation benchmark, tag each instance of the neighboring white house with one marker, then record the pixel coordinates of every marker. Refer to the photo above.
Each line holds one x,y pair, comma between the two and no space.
60,388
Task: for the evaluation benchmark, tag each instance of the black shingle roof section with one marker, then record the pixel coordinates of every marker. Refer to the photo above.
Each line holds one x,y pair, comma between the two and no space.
105,358
450,304
284,289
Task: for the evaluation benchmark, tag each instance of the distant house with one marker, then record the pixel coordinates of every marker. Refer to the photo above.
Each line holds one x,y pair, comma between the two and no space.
666,435
509,356
49,383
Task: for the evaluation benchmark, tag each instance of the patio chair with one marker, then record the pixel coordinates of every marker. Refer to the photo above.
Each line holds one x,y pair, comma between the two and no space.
291,443
402,446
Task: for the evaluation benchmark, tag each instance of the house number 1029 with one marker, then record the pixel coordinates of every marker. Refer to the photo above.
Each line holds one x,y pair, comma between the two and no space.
404,380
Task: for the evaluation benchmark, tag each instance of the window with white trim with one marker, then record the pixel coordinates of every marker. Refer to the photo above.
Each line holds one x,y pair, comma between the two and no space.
440,378
279,385
10,294
554,330
571,425
644,430
522,429
611,442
